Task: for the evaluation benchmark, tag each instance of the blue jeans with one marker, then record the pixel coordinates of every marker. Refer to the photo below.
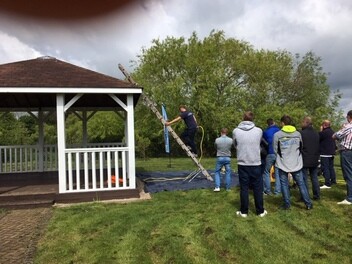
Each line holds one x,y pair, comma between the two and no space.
251,176
277,181
298,178
313,173
346,166
269,162
328,170
223,161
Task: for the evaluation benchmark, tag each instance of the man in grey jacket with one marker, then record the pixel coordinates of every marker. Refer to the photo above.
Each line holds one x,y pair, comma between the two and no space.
287,147
223,145
246,138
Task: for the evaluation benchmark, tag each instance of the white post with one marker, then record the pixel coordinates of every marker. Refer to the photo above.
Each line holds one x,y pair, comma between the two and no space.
41,140
61,142
131,163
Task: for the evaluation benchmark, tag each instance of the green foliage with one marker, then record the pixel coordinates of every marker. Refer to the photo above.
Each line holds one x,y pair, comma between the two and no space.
219,78
17,131
73,129
102,127
106,127
142,144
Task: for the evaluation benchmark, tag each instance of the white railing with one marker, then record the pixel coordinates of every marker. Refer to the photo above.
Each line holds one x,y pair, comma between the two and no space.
26,158
96,169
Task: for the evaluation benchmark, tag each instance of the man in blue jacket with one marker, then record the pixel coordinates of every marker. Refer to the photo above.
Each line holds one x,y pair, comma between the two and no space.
270,159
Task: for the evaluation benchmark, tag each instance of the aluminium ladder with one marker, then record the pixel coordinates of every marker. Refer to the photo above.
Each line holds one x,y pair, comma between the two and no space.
149,103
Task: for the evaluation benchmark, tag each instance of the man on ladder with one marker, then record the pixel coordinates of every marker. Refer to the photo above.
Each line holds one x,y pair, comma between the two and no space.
149,103
189,133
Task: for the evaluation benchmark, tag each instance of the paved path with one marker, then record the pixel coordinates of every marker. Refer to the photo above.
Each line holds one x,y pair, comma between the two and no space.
19,233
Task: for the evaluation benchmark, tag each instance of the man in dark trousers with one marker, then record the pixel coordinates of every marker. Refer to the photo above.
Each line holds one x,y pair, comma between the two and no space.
246,138
189,133
327,149
310,155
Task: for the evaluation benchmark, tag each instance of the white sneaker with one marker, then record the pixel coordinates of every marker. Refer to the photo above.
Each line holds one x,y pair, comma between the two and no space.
345,202
263,213
240,214
216,189
325,187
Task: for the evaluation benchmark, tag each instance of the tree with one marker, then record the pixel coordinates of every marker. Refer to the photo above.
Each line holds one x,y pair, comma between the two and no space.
13,131
219,78
106,127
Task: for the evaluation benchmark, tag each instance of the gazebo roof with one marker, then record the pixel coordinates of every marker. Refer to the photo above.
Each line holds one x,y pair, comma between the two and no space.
33,84
50,72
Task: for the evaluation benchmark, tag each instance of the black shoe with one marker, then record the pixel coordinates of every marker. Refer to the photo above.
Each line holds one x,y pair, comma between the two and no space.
309,207
316,198
284,207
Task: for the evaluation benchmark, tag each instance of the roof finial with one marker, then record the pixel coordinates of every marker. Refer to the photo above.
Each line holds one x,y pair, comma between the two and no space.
46,58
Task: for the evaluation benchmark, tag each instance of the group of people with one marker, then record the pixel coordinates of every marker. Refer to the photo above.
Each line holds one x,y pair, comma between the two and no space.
292,153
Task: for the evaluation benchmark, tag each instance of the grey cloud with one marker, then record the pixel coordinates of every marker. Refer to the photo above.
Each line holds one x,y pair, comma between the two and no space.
271,24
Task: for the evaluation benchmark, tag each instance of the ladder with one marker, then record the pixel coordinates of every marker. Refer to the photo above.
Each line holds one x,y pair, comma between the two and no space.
149,103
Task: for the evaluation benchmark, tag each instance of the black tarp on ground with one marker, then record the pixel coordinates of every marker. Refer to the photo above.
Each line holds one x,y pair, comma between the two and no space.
176,181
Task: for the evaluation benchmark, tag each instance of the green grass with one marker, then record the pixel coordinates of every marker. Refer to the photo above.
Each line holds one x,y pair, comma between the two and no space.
200,226
174,164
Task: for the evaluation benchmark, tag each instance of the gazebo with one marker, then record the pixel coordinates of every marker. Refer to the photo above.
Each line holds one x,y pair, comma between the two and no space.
46,86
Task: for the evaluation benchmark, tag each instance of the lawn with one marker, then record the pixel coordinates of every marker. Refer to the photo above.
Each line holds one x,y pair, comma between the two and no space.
199,226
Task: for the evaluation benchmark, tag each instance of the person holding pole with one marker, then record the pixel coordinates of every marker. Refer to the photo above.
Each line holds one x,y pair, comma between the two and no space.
189,133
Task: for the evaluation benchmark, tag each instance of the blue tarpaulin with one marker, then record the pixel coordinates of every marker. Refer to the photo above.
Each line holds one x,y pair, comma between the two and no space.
176,181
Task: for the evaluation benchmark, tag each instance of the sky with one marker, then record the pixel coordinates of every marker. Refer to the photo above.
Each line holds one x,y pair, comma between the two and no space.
100,43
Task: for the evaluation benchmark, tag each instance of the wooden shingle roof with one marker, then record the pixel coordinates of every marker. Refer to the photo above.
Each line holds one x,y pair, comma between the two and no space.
32,84
51,72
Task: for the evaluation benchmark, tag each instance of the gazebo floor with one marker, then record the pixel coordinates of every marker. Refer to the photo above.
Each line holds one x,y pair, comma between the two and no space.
30,191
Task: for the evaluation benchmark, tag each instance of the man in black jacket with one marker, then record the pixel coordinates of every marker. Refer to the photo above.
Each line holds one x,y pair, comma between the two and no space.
327,151
310,155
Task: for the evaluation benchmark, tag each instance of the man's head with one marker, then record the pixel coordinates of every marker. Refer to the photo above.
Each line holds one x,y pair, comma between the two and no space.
270,122
248,116
349,116
306,122
224,131
326,123
182,108
286,120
